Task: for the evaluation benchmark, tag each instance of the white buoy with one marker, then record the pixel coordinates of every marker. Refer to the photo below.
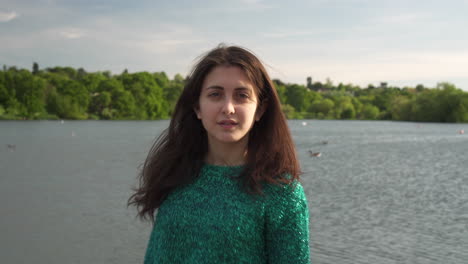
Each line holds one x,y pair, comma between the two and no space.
304,123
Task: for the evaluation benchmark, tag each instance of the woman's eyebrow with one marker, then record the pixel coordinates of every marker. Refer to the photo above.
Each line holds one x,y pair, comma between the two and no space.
242,88
216,87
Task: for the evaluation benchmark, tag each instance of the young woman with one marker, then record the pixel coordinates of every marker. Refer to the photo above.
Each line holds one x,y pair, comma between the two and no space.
223,177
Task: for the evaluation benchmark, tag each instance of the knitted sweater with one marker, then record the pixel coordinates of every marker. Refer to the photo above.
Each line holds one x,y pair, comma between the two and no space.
212,220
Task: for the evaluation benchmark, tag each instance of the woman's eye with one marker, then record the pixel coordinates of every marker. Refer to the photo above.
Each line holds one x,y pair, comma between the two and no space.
244,95
215,94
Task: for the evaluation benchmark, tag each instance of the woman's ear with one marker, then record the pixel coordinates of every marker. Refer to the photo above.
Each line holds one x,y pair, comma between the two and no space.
261,110
197,111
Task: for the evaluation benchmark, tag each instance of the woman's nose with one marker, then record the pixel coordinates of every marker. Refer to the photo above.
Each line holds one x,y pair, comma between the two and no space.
228,107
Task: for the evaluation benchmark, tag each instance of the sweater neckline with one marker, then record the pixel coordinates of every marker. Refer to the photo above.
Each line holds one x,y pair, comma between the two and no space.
221,167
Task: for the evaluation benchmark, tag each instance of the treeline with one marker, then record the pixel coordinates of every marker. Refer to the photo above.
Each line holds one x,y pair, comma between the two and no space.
67,93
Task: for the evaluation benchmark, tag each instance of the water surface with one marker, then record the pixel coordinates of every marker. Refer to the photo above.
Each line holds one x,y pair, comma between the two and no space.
381,192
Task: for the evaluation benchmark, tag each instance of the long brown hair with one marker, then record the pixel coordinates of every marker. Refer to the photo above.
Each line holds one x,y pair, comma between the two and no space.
177,155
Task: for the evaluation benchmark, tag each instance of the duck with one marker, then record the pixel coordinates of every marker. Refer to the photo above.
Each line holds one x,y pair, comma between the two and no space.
315,154
11,147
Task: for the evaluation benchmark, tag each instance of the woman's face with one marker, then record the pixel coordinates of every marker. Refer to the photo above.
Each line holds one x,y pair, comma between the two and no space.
228,105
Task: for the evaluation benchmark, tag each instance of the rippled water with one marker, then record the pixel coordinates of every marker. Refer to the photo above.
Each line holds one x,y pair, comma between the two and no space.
381,192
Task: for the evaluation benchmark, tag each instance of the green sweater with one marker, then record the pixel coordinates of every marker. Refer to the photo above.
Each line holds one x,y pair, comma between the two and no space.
213,220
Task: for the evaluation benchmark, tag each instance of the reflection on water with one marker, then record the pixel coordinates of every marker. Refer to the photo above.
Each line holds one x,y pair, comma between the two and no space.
379,192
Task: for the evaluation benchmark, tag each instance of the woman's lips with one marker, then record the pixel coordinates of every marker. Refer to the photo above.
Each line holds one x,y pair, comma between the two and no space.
227,123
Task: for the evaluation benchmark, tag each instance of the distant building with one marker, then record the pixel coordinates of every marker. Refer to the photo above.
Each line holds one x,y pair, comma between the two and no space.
309,82
317,86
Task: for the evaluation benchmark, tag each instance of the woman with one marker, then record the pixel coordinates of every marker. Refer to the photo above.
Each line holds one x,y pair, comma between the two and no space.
224,176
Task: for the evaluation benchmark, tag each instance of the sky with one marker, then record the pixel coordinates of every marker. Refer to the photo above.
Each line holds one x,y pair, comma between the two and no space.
359,42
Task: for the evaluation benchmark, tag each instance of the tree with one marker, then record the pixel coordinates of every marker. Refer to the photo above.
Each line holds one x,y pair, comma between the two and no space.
149,97
69,72
29,92
400,108
4,96
161,79
91,81
452,103
281,90
124,104
369,112
420,88
460,110
99,102
296,95
172,93
426,107
67,108
288,111
323,108
348,111
118,97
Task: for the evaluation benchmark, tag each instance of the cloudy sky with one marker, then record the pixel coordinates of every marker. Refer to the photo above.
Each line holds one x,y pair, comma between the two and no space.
402,42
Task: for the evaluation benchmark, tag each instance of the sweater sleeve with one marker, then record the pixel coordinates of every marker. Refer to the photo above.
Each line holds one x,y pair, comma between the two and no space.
287,225
149,255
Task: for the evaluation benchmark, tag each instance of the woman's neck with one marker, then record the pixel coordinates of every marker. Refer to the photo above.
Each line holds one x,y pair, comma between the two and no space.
226,154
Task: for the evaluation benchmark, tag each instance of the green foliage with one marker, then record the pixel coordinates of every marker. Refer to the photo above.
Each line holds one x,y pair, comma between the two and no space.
281,89
67,108
3,94
369,112
344,109
446,103
91,81
161,79
67,93
323,108
288,111
400,108
171,94
348,111
122,102
99,102
296,97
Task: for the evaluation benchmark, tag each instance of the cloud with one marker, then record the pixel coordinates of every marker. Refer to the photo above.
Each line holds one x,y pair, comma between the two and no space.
161,45
7,16
227,7
285,34
72,33
164,38
250,1
403,19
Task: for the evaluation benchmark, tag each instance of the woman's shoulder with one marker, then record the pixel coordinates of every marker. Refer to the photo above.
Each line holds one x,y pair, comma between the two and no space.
292,189
285,201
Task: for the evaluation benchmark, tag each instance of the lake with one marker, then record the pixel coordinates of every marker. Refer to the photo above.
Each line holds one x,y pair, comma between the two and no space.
381,192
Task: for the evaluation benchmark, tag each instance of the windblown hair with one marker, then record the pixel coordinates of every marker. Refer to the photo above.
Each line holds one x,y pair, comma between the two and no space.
177,155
